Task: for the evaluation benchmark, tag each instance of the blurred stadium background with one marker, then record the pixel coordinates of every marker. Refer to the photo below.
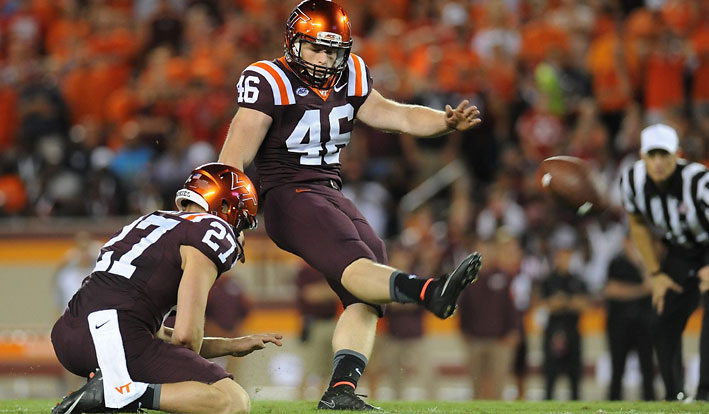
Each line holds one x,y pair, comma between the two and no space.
106,105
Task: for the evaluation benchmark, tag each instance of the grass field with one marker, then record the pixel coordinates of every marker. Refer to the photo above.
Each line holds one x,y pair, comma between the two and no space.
429,407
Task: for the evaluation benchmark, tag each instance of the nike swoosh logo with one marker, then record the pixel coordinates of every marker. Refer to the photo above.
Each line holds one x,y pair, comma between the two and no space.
445,285
76,402
98,326
330,404
358,371
340,88
302,190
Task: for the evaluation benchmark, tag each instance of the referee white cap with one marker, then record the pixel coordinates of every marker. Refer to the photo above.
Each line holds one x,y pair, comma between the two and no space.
659,136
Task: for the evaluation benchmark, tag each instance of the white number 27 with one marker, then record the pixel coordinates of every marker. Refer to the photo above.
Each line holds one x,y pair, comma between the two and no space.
220,235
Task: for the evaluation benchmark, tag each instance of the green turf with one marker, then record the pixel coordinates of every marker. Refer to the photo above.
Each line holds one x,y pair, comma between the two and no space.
434,407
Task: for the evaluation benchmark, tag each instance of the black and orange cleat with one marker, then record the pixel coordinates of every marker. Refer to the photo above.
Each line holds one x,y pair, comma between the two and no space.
87,399
443,299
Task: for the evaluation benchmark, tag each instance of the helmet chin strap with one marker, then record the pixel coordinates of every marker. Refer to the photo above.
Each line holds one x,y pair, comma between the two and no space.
242,254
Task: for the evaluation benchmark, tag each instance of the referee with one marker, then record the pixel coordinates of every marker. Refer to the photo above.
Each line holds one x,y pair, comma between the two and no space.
669,197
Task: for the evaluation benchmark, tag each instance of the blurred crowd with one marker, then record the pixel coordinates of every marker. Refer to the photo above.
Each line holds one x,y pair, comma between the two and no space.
106,105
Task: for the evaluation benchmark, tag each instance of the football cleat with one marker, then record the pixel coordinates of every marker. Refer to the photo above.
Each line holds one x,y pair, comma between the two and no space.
442,302
87,399
344,398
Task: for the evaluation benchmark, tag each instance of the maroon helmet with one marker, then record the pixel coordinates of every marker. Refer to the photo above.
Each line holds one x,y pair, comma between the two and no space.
323,23
224,191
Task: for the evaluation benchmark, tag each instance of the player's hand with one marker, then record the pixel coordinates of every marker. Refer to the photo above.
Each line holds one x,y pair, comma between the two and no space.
661,283
462,117
703,275
248,344
557,301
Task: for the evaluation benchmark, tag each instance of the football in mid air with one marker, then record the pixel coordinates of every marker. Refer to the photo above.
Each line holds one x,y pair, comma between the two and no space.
571,181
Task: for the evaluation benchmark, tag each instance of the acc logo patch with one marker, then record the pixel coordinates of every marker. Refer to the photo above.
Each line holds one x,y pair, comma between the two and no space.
301,91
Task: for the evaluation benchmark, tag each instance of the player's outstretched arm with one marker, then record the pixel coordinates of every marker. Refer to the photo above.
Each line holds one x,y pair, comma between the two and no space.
246,133
248,344
420,121
213,347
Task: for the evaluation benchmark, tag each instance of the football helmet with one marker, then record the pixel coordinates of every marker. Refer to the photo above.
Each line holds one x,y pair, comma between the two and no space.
324,23
224,191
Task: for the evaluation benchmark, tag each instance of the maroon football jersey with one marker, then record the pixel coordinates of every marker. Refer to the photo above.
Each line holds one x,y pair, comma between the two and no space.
309,127
139,269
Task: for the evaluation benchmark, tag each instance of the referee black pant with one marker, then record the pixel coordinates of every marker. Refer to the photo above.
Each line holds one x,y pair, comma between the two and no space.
703,388
628,330
682,265
667,333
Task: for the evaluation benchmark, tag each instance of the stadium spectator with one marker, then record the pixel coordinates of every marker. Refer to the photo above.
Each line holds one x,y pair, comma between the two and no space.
489,320
77,264
629,320
404,358
317,90
370,197
318,307
71,272
501,210
565,296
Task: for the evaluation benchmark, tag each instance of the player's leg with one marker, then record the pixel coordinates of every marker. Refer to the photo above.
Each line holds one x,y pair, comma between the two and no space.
352,343
191,397
550,364
377,283
500,363
703,386
643,343
574,365
355,329
309,223
619,340
668,329
383,284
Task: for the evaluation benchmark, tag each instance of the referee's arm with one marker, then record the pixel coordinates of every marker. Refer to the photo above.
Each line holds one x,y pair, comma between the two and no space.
643,241
660,282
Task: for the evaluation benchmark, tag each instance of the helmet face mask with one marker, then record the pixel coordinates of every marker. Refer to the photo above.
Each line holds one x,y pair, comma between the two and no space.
323,24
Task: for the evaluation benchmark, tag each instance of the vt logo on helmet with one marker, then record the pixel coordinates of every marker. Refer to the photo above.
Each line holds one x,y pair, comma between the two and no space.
324,25
224,191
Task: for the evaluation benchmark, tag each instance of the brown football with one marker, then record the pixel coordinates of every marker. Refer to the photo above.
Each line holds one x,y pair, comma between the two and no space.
571,180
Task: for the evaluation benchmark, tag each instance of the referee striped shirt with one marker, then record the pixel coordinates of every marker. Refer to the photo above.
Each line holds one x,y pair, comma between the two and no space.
680,212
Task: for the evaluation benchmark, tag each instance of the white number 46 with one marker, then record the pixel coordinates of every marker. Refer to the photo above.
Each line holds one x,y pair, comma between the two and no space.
248,92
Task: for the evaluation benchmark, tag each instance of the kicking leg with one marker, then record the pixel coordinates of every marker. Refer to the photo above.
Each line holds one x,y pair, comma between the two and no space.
378,283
